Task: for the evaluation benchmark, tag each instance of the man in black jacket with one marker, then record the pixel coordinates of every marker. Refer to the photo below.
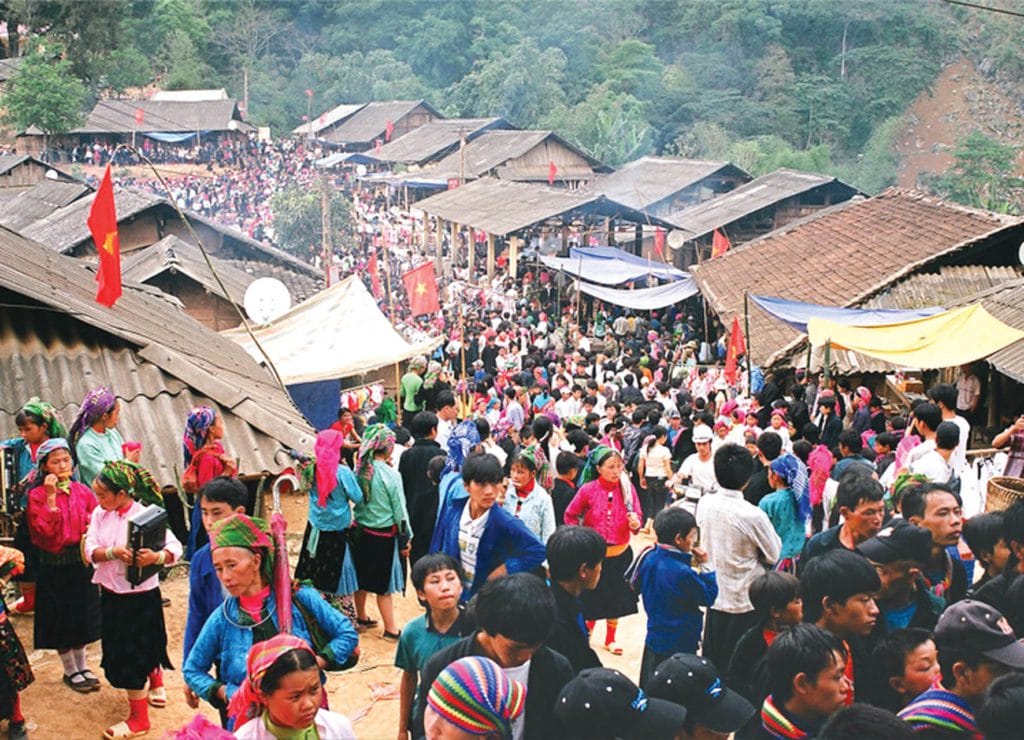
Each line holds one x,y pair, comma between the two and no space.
515,615
575,555
1006,591
420,490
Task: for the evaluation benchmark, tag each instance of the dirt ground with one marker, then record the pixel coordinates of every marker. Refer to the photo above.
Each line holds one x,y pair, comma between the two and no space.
367,694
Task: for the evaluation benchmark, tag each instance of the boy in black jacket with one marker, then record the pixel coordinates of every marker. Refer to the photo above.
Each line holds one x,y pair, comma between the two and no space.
575,555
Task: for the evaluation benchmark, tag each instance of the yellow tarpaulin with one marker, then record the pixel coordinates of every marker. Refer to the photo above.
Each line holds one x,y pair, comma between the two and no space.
947,339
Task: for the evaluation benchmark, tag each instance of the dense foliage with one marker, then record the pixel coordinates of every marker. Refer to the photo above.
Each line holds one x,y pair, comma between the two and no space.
814,84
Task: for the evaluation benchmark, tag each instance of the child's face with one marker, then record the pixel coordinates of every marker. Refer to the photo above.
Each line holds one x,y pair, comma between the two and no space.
295,702
441,590
520,475
482,495
214,511
920,669
791,615
1000,555
33,433
857,616
827,694
109,500
776,422
882,450
59,463
686,542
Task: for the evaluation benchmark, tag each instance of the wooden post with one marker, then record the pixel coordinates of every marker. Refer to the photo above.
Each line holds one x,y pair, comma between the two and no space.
565,237
513,257
426,234
746,330
490,259
439,246
471,257
453,251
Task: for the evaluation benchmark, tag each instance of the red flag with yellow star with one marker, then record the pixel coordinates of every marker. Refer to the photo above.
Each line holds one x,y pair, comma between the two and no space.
103,226
735,348
422,289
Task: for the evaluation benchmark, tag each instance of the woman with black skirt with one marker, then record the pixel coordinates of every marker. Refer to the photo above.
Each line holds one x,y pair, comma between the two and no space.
134,636
58,515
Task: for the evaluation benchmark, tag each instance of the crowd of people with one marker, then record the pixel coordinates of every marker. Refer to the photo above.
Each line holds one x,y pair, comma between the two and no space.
799,548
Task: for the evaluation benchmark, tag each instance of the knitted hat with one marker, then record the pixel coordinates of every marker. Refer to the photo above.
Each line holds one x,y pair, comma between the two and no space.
475,695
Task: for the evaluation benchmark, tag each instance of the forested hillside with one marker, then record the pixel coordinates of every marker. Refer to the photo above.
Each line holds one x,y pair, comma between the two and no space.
813,84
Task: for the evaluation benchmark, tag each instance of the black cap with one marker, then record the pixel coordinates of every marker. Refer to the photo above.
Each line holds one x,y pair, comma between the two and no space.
898,540
602,702
694,682
975,627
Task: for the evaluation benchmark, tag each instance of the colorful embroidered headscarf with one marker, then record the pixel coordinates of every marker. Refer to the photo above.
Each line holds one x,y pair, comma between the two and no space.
131,477
50,445
247,703
376,438
46,412
901,484
241,530
328,455
477,696
97,402
461,441
387,412
197,429
433,371
792,470
595,459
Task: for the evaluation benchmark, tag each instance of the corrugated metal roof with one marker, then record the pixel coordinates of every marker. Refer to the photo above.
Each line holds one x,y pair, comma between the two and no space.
762,192
645,182
329,118
371,121
9,161
38,202
843,256
66,227
61,343
177,257
434,139
492,149
191,96
1006,303
502,206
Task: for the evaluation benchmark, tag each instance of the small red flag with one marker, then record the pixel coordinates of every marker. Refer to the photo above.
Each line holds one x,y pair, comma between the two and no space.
140,115
102,223
735,348
374,275
552,172
309,93
422,289
659,241
389,130
719,244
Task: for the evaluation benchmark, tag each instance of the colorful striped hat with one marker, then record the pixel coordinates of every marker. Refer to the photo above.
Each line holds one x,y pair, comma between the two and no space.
475,695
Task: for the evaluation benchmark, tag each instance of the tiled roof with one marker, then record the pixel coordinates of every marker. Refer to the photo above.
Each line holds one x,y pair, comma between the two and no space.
841,256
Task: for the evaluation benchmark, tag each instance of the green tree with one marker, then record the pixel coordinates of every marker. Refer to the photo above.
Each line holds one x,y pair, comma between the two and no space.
184,68
983,175
125,67
298,219
611,126
45,92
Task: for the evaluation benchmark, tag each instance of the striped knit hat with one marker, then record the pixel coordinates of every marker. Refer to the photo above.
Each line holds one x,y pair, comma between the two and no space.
475,695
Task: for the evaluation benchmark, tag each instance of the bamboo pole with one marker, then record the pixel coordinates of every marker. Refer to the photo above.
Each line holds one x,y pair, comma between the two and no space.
439,232
513,257
471,257
490,259
746,330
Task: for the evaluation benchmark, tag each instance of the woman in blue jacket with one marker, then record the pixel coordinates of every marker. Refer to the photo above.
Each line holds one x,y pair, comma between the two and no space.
243,555
486,539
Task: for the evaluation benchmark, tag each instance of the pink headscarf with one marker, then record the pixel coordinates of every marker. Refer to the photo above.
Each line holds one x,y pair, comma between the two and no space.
328,455
864,394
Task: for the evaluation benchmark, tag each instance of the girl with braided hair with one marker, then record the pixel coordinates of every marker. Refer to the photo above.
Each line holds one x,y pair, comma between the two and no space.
383,533
201,444
133,633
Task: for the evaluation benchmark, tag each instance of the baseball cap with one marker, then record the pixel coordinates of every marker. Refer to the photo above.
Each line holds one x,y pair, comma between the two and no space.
702,433
695,683
602,702
975,627
899,540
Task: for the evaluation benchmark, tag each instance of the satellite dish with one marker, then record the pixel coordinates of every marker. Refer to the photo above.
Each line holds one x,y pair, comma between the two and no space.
51,175
361,170
266,299
676,239
1020,253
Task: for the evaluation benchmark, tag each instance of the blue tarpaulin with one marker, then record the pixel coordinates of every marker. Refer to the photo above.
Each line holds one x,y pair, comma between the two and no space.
797,314
169,138
614,253
644,299
318,401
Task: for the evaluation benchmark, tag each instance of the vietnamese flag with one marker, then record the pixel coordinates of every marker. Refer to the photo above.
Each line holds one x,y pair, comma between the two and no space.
719,244
102,223
422,289
389,131
140,116
552,172
659,241
374,274
735,348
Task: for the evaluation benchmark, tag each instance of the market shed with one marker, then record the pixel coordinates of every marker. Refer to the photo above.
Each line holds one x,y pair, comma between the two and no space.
434,140
662,185
753,209
361,130
848,255
20,209
57,342
20,171
327,121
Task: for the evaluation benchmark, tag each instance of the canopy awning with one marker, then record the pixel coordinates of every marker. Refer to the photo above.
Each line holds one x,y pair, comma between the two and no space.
609,271
948,339
796,314
338,333
643,299
614,253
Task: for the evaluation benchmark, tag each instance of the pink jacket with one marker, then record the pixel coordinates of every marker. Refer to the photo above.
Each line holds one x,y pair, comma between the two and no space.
601,506
52,531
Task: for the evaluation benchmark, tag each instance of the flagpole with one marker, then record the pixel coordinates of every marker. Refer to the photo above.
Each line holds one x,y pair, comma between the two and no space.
828,358
579,294
746,329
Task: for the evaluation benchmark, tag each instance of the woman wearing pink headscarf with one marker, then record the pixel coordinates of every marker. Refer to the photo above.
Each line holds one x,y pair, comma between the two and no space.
201,444
325,558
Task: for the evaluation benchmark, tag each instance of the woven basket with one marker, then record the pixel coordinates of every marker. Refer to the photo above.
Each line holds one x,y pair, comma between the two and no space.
1002,492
